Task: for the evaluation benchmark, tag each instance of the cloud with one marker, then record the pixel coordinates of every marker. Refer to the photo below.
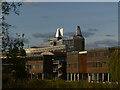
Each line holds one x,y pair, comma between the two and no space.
108,42
113,21
92,29
102,43
43,35
25,40
91,46
69,33
109,35
66,34
85,34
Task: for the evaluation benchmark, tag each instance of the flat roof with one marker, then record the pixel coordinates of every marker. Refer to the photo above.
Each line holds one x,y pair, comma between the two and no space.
83,52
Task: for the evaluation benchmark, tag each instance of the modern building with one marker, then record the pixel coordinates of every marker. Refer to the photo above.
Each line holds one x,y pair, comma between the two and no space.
89,65
49,61
96,64
47,65
74,43
76,65
67,59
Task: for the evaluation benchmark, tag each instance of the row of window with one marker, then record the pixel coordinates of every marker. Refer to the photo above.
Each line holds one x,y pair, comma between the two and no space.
40,66
35,58
96,64
97,54
71,66
72,57
68,42
89,65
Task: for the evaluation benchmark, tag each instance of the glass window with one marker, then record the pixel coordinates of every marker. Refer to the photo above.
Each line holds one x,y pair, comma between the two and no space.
30,66
100,64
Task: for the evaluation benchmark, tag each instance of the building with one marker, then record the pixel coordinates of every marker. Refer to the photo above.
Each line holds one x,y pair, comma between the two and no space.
76,65
67,59
34,51
74,43
96,64
89,65
36,65
47,65
49,61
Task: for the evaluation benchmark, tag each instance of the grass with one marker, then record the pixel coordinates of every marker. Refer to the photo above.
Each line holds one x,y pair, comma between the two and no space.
37,83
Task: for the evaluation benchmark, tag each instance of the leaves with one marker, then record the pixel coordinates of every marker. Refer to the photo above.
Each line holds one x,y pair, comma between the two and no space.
7,8
13,47
113,63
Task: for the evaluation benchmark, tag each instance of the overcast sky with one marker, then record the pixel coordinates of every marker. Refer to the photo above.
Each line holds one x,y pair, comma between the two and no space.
39,21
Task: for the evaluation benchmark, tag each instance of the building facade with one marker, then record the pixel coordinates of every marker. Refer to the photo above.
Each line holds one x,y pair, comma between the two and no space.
97,64
49,61
89,65
74,43
67,59
76,65
47,65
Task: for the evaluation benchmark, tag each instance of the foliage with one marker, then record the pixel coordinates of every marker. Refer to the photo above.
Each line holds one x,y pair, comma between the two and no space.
12,47
113,63
7,8
38,83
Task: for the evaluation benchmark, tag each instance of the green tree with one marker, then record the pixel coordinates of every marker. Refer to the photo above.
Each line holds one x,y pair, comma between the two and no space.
13,47
113,63
7,8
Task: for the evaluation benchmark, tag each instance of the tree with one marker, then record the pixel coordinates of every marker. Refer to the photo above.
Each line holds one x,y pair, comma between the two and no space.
113,63
13,47
7,8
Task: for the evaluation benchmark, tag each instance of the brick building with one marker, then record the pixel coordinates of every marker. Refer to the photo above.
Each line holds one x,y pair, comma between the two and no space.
73,43
48,65
89,65
76,65
50,59
96,64
67,59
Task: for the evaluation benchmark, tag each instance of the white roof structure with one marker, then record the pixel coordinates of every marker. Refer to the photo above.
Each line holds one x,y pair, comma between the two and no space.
47,53
83,52
59,32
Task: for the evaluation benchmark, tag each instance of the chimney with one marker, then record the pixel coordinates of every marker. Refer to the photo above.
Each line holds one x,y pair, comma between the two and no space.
59,32
78,33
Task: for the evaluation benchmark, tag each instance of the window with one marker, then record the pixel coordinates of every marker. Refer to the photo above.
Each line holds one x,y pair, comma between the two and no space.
30,66
96,64
68,66
27,66
100,64
104,64
33,66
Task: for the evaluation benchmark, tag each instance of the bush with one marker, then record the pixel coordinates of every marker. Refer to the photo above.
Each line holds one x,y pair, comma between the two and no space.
37,83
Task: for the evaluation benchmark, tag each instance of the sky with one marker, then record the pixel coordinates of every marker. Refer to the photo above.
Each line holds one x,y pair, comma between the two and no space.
39,20
62,0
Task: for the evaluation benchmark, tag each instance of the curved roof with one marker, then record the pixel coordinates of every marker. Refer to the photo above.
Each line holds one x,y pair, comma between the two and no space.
47,53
